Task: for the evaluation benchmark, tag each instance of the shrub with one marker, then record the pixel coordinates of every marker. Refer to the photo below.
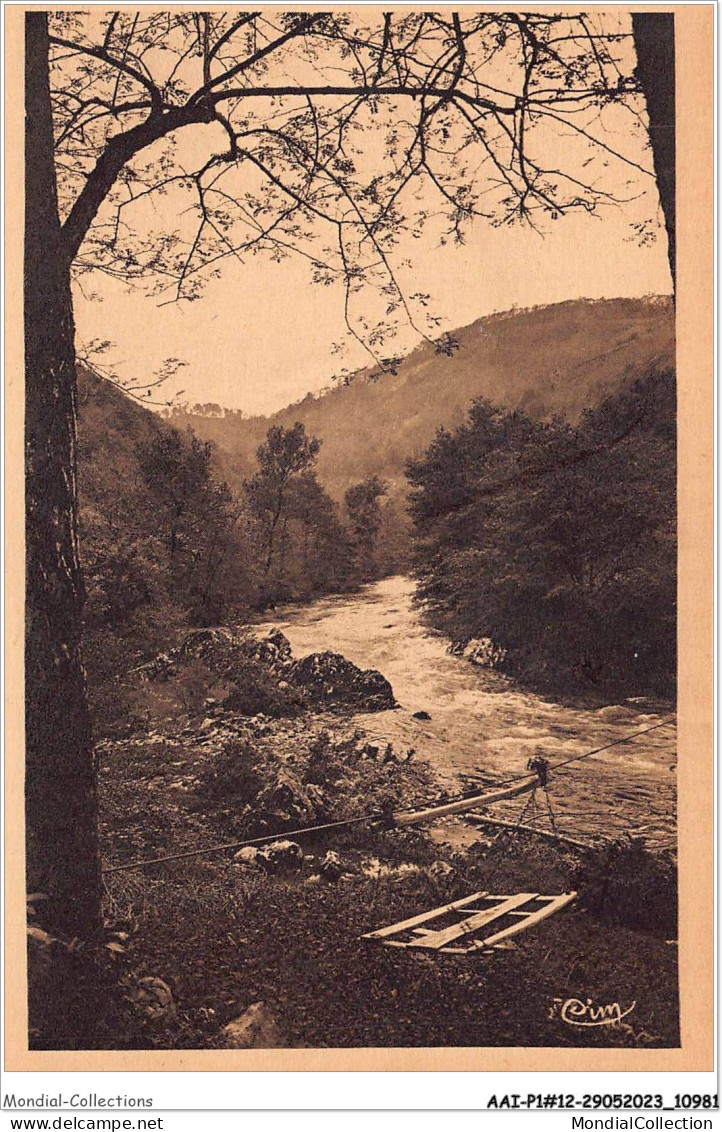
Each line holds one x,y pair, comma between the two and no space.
257,691
131,703
323,767
572,574
233,772
625,883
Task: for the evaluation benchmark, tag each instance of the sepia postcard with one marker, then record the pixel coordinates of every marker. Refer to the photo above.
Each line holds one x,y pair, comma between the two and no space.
359,497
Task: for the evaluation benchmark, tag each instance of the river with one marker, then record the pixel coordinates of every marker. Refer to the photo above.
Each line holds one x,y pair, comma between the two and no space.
485,726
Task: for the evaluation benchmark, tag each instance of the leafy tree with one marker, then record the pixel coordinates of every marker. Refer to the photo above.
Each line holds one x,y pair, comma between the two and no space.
557,542
208,567
221,574
392,555
364,512
285,454
178,474
322,551
472,105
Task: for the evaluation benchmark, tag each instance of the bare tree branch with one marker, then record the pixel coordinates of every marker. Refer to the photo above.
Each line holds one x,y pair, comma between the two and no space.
295,94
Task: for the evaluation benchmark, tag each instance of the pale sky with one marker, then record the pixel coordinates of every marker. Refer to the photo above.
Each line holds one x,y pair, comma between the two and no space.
261,337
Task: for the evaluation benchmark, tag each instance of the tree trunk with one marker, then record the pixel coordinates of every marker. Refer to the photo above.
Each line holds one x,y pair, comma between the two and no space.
284,548
272,535
61,804
654,44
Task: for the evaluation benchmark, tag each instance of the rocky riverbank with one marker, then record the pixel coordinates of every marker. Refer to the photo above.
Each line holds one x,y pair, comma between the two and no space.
481,724
261,946
233,736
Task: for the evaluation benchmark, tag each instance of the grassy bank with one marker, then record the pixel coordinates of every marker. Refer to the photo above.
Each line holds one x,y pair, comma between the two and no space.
222,935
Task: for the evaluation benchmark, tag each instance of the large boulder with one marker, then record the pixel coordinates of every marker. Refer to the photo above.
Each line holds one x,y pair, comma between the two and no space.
256,1028
264,676
328,678
273,649
281,855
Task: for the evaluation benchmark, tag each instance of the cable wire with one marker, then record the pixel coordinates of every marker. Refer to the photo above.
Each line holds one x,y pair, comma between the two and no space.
374,816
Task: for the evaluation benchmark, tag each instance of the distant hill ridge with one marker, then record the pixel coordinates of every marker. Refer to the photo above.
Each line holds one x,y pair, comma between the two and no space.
548,360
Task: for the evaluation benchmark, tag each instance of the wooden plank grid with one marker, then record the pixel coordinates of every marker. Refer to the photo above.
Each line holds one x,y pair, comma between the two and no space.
474,914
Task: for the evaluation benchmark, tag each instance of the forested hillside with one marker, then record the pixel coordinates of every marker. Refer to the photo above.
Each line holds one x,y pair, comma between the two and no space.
154,522
553,546
207,517
167,544
554,359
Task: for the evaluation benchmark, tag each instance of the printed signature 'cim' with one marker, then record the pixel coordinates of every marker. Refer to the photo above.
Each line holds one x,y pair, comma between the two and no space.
585,1012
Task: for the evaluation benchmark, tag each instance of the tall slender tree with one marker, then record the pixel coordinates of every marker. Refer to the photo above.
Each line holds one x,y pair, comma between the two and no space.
364,512
60,791
284,454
